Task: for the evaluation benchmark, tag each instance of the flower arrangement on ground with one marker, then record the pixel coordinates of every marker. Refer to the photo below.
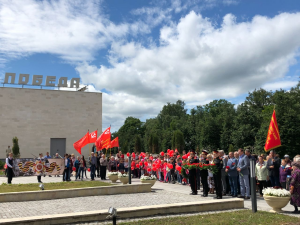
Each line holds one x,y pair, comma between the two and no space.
112,173
123,174
277,192
152,177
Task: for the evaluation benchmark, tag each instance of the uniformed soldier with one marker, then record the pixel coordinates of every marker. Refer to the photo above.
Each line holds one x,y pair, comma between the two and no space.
217,176
193,173
204,174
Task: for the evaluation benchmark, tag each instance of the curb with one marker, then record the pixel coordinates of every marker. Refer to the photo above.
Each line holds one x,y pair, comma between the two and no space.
127,213
70,193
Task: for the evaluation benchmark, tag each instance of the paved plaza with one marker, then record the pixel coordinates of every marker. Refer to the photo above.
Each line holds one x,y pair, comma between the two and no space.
162,193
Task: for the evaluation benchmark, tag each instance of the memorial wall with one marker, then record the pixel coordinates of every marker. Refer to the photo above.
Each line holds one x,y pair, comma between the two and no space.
47,120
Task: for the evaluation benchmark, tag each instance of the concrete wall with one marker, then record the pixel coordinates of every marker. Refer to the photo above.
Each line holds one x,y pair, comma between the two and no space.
36,115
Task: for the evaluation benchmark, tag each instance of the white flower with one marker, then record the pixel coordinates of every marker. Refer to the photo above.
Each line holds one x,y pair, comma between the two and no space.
123,175
152,177
112,173
276,192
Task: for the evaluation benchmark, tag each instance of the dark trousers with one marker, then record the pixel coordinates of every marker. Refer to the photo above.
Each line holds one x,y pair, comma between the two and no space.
198,179
77,174
261,185
98,170
218,184
204,184
233,184
172,176
103,172
66,174
39,178
9,175
193,182
274,181
283,185
93,168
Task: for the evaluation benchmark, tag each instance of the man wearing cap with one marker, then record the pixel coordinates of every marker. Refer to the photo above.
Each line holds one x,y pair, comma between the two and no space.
204,174
193,173
217,176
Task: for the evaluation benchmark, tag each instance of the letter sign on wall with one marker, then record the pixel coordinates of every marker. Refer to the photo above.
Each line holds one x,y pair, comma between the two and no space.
37,80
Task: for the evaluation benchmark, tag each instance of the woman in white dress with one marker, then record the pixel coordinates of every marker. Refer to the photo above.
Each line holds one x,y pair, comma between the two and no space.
210,178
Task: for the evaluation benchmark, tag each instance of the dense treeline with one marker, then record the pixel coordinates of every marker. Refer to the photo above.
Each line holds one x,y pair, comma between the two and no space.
218,125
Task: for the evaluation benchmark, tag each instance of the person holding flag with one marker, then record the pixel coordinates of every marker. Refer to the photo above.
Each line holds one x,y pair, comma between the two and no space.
273,141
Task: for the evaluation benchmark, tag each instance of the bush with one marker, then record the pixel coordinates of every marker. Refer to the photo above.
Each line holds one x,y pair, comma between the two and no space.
2,165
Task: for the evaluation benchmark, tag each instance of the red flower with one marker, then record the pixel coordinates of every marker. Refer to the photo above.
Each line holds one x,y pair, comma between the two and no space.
233,164
227,167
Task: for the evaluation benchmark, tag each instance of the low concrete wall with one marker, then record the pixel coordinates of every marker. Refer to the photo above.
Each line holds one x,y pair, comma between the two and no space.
134,212
75,192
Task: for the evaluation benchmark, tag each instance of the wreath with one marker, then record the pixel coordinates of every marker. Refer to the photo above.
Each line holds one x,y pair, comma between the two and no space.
187,167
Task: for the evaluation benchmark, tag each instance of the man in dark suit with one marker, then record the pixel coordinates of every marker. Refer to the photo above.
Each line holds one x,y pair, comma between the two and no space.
217,176
10,165
193,173
273,165
204,174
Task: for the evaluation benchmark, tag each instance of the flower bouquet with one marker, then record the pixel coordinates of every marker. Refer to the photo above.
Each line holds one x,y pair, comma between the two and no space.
277,198
188,166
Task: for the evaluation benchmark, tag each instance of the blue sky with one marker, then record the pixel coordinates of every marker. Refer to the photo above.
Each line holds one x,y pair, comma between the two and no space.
142,54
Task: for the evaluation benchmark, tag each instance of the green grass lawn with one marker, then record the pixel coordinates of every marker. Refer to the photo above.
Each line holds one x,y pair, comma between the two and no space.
242,217
4,188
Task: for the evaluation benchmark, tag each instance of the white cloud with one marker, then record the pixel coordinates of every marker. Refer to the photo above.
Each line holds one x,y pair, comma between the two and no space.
285,84
73,30
197,61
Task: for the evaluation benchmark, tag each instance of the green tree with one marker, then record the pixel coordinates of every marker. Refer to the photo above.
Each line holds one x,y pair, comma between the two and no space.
178,141
15,148
138,144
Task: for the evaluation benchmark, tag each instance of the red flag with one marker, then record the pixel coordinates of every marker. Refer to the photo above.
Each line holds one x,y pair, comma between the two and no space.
273,138
115,142
104,140
93,137
81,143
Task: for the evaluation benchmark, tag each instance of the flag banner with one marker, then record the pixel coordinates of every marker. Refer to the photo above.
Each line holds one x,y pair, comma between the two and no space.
273,138
38,167
81,143
93,137
104,140
115,142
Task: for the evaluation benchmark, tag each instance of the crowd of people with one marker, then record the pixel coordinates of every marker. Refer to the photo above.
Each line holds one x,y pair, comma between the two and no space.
232,175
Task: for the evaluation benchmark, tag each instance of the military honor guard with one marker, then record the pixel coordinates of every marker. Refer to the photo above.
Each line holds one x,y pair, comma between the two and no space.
193,173
204,173
218,175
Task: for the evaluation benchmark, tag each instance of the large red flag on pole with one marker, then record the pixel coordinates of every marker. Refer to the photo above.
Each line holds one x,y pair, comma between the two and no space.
104,140
81,143
93,137
273,138
115,142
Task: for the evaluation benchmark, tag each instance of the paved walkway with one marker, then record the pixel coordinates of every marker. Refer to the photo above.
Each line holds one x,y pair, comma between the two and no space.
163,193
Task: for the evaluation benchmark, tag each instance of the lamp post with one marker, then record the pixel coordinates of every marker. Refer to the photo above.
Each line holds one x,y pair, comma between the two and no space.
129,169
253,185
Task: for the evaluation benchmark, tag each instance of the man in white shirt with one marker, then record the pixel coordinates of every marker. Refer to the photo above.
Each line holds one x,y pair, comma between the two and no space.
10,164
